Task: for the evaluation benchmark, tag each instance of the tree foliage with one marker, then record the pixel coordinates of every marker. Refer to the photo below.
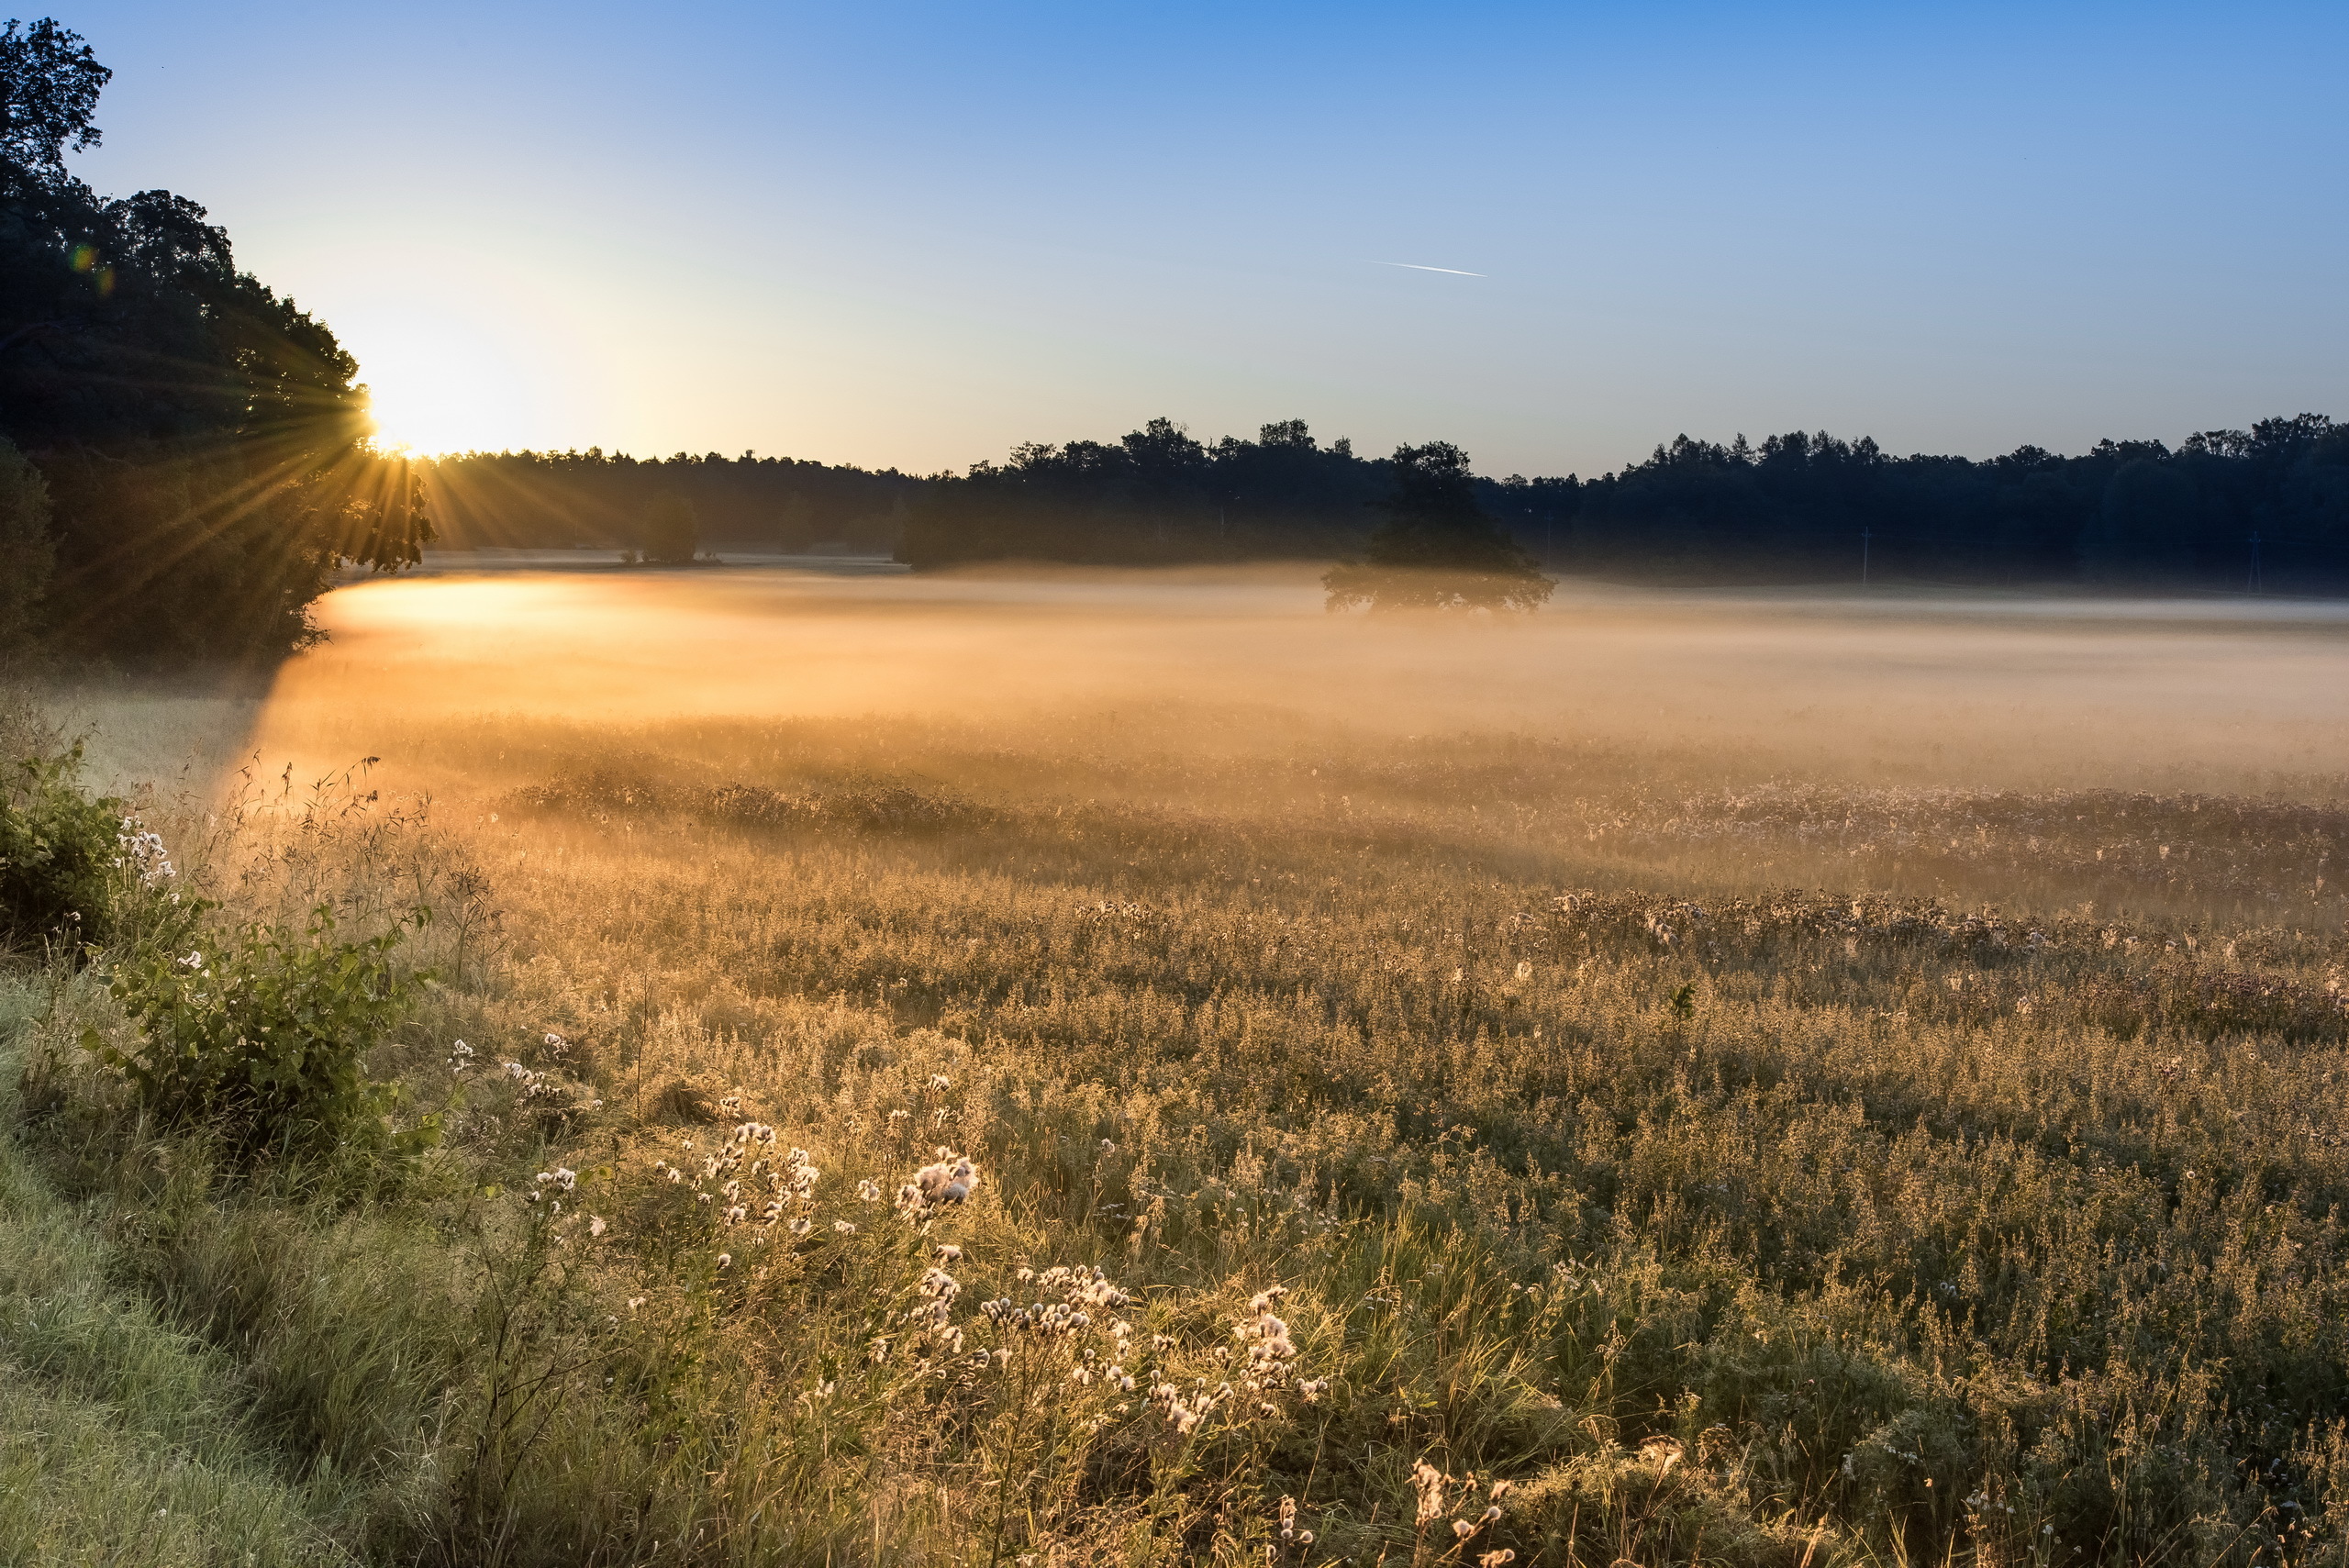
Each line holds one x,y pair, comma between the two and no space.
2123,513
672,531
1155,494
203,442
1793,508
26,553
560,500
1437,550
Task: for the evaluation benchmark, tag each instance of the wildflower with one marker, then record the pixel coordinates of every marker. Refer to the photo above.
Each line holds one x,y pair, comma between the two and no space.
1524,969
845,1227
143,853
951,1180
736,1215
725,1259
1428,1482
596,1226
1497,1558
938,1081
801,1225
634,1302
461,1056
870,1191
1461,1530
947,1253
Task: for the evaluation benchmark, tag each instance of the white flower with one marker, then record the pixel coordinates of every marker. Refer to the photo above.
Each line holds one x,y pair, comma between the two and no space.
596,1226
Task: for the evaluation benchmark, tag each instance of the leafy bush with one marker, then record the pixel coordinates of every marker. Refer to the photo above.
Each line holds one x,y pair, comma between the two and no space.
263,1036
60,857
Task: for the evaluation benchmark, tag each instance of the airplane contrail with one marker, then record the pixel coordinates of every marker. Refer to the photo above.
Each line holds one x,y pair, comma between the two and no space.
1417,268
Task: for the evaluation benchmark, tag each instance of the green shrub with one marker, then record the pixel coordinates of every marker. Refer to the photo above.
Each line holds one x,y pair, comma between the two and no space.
60,855
263,1036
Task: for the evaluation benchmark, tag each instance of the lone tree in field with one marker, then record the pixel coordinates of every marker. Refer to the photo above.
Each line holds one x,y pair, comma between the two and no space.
1437,550
672,532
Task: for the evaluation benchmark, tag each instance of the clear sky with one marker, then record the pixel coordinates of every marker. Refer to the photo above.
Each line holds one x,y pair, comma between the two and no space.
914,235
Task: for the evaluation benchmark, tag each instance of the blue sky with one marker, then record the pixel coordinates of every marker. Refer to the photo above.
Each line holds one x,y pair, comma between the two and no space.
914,235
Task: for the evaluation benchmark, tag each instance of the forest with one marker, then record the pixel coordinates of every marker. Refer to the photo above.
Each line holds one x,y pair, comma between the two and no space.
1797,507
185,465
2259,510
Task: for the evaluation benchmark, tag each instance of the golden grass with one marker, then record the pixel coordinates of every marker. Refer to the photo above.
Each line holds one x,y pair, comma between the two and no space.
1761,1138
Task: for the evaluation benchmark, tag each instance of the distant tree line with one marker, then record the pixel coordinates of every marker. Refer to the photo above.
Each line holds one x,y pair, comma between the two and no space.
606,500
1156,496
2262,508
183,466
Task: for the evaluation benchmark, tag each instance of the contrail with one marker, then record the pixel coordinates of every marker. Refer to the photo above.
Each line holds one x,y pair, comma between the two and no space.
1417,268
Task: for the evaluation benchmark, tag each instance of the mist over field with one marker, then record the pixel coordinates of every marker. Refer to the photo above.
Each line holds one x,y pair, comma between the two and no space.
1770,1076
1902,688
685,881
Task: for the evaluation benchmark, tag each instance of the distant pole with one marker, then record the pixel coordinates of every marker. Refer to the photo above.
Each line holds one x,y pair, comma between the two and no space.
2255,583
1865,535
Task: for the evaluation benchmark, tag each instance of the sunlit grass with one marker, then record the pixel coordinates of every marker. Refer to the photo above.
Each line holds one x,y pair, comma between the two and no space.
1747,1161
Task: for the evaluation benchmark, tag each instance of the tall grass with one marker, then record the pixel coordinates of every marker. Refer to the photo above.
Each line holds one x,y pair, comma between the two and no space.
1742,1170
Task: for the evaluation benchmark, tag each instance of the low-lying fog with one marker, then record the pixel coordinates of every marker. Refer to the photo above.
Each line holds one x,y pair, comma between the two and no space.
1890,687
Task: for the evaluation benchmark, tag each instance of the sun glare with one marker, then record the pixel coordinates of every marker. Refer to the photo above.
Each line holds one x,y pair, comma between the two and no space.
440,385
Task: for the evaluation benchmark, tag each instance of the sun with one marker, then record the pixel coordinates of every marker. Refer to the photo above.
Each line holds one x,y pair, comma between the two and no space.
439,384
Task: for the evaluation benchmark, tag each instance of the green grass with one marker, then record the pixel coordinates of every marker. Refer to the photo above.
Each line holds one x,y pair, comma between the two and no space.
122,1439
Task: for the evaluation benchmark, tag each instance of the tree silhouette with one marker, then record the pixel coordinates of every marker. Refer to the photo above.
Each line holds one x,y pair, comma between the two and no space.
50,83
26,555
1437,550
201,442
671,532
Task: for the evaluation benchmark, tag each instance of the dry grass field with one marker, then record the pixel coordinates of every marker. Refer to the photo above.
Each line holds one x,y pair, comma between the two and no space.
1076,1068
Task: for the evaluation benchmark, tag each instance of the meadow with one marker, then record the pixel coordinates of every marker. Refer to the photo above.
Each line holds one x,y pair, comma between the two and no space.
1068,1068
